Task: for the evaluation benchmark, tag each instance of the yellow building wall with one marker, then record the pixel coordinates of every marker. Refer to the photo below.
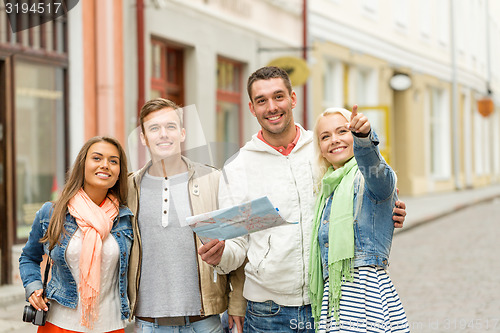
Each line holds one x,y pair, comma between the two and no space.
409,120
352,60
320,51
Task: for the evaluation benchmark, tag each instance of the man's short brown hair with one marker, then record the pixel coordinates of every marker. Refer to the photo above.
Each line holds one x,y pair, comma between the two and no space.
266,73
158,104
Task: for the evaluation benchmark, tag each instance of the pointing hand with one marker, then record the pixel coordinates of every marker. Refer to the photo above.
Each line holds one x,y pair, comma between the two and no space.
358,122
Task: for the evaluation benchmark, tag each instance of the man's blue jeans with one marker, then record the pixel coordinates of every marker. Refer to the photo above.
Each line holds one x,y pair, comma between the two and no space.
263,317
210,325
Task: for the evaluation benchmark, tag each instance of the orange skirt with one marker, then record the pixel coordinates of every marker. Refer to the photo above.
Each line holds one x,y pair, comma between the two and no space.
51,328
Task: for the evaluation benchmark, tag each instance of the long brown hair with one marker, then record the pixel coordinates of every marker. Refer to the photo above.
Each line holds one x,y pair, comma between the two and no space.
75,180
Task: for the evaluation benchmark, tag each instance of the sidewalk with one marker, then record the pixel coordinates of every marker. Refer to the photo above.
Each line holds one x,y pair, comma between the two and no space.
424,209
11,309
420,210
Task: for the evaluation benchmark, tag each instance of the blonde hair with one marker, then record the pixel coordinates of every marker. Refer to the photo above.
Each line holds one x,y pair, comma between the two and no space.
322,164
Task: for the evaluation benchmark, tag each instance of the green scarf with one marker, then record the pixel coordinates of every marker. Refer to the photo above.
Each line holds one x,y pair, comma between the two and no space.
340,235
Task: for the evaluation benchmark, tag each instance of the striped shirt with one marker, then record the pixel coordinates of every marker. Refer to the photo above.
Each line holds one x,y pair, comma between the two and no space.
368,304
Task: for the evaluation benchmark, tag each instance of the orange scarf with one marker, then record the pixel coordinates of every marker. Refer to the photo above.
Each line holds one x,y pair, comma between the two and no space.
95,222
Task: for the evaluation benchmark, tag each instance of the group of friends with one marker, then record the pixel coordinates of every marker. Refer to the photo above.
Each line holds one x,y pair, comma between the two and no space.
119,248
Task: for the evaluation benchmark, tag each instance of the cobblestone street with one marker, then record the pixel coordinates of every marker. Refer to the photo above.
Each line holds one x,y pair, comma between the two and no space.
447,272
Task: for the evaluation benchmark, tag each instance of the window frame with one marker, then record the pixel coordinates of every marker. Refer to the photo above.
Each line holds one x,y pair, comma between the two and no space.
172,90
234,97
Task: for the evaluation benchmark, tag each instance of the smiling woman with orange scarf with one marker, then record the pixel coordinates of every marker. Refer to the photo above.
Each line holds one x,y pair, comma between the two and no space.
87,290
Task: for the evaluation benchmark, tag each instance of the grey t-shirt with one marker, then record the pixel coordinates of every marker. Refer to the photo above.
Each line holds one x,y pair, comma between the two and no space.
169,284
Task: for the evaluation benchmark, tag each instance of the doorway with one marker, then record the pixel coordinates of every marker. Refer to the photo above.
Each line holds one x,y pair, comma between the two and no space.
6,227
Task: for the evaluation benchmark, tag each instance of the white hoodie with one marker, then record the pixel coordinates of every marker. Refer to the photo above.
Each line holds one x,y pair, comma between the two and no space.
278,258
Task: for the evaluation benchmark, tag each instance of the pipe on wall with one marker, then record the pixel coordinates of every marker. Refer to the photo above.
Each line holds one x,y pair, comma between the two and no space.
304,55
454,100
141,99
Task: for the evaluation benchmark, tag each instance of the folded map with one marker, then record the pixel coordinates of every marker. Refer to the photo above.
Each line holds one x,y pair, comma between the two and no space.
227,223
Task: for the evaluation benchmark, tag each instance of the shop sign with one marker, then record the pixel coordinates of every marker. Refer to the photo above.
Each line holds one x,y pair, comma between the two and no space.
296,68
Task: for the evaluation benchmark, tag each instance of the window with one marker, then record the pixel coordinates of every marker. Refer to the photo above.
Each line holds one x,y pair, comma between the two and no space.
494,49
461,25
495,119
333,84
467,137
370,7
478,34
47,34
443,22
365,86
440,145
482,143
39,139
380,123
167,72
401,14
228,109
426,16
33,124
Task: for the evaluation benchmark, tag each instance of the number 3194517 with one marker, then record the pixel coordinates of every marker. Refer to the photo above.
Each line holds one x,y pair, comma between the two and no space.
34,8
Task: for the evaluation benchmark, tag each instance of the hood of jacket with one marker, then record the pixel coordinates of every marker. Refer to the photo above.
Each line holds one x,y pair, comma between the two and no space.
256,144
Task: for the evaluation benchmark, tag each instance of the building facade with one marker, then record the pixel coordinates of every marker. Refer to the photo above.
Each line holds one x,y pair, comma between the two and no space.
60,84
432,132
33,119
199,54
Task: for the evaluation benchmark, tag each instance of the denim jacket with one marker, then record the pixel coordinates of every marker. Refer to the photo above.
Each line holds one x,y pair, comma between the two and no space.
374,199
62,286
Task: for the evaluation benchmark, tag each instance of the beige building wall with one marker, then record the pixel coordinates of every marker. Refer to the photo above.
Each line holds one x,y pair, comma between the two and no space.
236,30
437,139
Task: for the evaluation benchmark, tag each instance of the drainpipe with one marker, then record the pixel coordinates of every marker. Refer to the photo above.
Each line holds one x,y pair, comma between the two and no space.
488,55
304,55
454,100
488,82
140,56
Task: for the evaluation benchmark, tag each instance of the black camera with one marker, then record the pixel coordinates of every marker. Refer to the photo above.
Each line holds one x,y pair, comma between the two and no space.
32,315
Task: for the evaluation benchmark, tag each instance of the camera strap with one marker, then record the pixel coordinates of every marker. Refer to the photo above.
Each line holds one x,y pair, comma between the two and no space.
46,275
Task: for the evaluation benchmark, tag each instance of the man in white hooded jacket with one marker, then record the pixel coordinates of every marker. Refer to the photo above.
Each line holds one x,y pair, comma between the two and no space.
276,162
